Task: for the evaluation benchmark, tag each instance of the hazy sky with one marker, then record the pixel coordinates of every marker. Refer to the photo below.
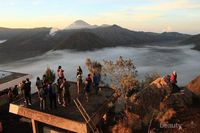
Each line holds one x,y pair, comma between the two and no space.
147,15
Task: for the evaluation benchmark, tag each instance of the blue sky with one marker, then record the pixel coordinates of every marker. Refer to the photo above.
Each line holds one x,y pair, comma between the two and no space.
147,15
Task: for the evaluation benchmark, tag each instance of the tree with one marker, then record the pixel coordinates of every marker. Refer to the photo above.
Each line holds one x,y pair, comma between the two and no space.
93,66
50,75
121,74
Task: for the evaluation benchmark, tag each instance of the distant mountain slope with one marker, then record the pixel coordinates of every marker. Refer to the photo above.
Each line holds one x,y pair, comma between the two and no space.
117,35
24,43
82,41
80,24
7,33
194,40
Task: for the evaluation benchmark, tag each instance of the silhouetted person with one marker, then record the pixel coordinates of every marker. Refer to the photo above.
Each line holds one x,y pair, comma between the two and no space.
60,91
23,87
10,95
88,84
28,91
67,95
52,95
41,93
79,71
39,83
44,80
60,73
79,82
15,91
45,83
96,81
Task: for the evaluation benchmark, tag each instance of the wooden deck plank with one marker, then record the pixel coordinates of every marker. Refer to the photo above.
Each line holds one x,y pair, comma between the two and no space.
13,79
49,119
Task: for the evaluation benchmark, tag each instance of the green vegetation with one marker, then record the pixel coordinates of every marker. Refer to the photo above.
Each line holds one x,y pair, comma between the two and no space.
50,75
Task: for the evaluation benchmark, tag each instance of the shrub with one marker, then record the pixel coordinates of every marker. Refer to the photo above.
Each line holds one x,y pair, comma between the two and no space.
50,75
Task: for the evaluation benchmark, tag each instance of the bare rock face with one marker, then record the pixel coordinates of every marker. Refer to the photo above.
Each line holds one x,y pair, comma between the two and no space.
179,101
151,96
159,96
133,120
162,83
121,128
194,86
167,115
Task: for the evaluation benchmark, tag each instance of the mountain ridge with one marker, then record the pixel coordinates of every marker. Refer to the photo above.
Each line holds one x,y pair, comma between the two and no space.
25,43
195,39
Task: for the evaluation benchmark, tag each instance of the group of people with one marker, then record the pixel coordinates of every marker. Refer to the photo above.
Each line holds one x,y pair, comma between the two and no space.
56,92
92,81
59,92
23,89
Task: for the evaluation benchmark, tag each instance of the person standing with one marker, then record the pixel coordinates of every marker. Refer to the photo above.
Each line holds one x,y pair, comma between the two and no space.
44,80
15,91
28,95
59,91
88,84
41,93
52,95
67,95
79,83
45,84
24,91
60,73
79,71
96,80
10,95
62,93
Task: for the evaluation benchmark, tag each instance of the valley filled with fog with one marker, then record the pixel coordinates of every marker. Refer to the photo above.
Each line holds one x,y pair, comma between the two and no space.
149,59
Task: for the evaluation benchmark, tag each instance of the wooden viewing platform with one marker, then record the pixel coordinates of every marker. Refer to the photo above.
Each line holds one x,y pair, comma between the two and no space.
9,79
67,118
13,78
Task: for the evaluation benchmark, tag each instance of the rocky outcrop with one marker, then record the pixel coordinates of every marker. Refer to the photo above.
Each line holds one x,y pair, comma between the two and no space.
194,86
158,97
120,128
162,83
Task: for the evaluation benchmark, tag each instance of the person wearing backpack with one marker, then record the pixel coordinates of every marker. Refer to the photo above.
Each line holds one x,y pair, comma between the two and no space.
41,93
28,91
52,95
